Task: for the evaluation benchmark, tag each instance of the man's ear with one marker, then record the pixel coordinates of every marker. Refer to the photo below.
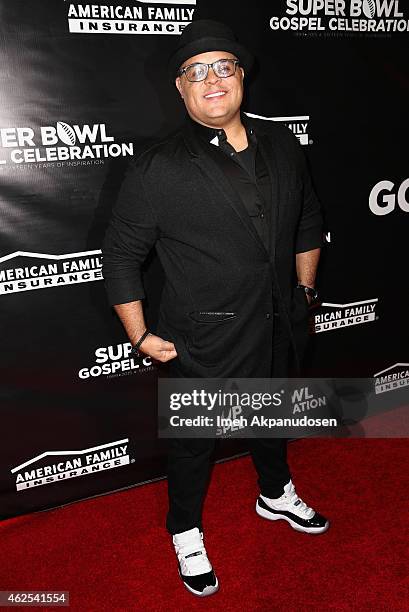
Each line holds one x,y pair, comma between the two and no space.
179,85
242,72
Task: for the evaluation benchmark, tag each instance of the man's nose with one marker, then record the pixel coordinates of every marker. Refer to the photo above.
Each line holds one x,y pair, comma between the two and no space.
212,76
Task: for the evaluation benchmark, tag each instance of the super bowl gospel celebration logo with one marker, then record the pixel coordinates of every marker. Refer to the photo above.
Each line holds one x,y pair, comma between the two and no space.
61,143
341,17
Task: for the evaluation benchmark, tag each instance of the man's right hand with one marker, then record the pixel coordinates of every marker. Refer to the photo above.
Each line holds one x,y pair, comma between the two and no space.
157,348
131,315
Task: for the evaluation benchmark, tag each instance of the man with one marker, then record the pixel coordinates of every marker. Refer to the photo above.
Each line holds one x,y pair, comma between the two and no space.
228,203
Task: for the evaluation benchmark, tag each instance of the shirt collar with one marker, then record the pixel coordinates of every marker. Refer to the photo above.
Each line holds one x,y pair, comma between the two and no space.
217,136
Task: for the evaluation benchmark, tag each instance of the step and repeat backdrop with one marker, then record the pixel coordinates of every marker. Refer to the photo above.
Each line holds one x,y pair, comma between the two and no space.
84,88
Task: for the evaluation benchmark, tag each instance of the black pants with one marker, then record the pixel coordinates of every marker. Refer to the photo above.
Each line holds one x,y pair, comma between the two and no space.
189,462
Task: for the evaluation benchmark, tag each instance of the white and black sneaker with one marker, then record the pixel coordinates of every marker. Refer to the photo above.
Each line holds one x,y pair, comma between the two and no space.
292,509
194,567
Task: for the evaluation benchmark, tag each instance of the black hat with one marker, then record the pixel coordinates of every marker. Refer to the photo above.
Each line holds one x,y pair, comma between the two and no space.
207,35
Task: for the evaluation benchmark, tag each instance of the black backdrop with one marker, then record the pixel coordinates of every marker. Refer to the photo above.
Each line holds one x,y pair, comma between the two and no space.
78,418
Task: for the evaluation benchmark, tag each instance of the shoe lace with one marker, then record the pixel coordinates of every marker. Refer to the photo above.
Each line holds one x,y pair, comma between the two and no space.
293,498
197,563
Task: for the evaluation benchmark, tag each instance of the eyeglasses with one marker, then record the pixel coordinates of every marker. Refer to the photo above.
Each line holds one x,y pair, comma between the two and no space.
222,68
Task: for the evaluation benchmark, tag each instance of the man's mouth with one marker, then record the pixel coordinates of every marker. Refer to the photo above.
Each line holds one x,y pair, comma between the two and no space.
215,94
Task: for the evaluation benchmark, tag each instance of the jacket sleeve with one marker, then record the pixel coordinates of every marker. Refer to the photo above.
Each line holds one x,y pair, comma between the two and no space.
131,234
309,235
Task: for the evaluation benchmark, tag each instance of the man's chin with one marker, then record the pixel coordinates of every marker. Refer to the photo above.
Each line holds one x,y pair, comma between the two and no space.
219,115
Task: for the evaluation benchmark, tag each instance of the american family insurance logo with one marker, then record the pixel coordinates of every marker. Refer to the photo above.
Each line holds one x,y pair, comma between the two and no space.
392,378
42,470
341,17
338,316
24,271
113,361
61,144
143,17
297,124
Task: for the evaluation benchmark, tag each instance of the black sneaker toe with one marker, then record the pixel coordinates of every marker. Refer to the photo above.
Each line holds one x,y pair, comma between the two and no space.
201,584
317,520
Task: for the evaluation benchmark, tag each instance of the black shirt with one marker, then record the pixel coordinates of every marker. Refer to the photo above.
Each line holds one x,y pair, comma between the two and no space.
247,173
247,159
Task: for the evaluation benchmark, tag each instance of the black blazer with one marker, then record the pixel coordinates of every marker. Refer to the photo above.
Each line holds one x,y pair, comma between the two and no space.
217,302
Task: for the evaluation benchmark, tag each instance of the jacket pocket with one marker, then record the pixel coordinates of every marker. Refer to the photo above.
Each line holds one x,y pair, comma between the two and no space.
214,334
211,316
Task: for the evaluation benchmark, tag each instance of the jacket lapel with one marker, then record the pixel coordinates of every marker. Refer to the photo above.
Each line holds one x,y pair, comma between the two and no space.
217,178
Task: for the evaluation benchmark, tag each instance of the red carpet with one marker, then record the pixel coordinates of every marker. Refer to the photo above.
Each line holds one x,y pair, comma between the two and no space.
113,553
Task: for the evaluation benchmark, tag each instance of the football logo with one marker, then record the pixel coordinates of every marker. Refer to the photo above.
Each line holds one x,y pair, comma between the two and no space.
65,133
369,8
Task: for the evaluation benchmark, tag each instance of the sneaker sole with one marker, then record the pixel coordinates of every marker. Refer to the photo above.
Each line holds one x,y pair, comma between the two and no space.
281,517
207,591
